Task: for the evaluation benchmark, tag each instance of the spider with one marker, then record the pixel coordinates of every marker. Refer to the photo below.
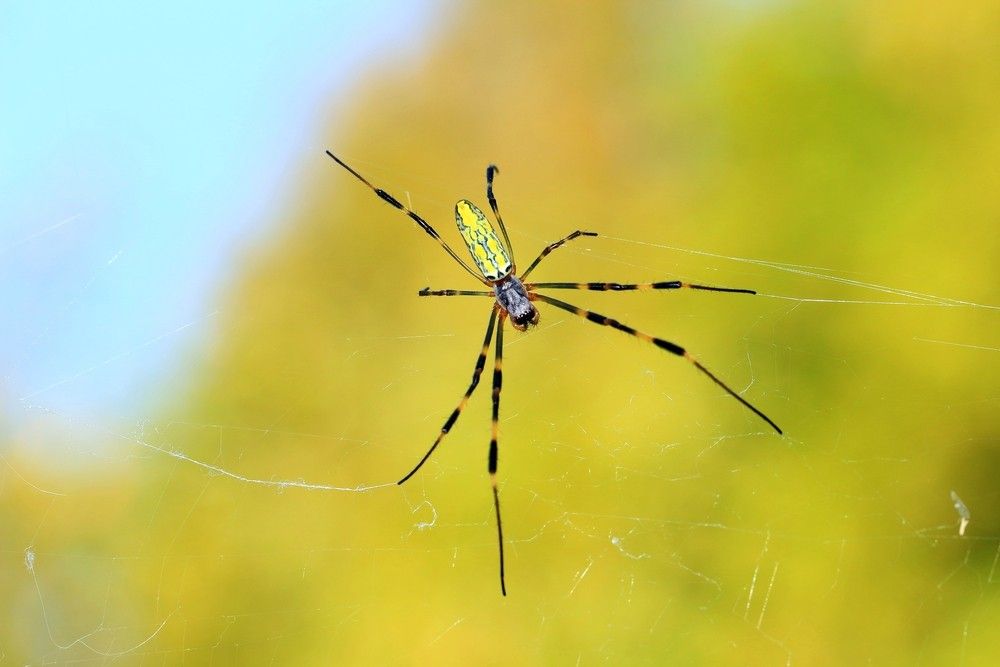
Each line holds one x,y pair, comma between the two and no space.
515,299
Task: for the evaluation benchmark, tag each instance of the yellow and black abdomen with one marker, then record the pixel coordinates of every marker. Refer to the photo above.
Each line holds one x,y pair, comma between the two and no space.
482,241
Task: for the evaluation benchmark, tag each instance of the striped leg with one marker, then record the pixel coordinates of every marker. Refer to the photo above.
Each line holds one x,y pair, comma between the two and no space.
480,363
672,348
427,291
492,171
495,429
385,196
553,246
620,287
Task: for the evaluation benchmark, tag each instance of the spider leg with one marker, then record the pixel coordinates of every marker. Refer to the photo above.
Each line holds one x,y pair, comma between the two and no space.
480,362
672,348
495,428
620,287
552,246
427,291
385,196
492,171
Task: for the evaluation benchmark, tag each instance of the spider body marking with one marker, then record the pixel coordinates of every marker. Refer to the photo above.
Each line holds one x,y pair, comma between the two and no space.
515,299
495,263
488,253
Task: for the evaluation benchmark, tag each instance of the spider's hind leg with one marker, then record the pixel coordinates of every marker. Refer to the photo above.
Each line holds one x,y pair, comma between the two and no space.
552,246
491,172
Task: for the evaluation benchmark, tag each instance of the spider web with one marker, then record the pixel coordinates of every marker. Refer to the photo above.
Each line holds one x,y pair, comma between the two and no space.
244,508
587,517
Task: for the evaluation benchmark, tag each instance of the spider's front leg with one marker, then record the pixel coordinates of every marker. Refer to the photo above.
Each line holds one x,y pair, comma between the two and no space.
480,363
494,450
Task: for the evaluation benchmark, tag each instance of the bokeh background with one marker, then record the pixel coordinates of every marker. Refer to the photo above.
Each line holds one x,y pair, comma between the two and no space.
215,363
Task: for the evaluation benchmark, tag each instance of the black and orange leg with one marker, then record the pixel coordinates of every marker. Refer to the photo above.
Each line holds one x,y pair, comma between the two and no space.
624,287
494,452
672,348
423,224
552,246
480,363
491,172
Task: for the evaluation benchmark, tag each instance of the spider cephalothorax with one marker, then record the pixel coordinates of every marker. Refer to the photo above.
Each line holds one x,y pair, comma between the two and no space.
515,299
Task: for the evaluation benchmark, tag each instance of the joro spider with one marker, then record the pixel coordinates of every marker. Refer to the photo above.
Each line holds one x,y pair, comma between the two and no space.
514,298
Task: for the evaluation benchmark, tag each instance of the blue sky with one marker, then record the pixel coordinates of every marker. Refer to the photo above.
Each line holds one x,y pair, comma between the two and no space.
141,148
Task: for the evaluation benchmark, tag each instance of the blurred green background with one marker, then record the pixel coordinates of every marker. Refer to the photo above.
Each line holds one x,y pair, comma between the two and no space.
840,158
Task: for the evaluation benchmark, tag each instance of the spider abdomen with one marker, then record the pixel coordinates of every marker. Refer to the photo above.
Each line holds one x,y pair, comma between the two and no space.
484,245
